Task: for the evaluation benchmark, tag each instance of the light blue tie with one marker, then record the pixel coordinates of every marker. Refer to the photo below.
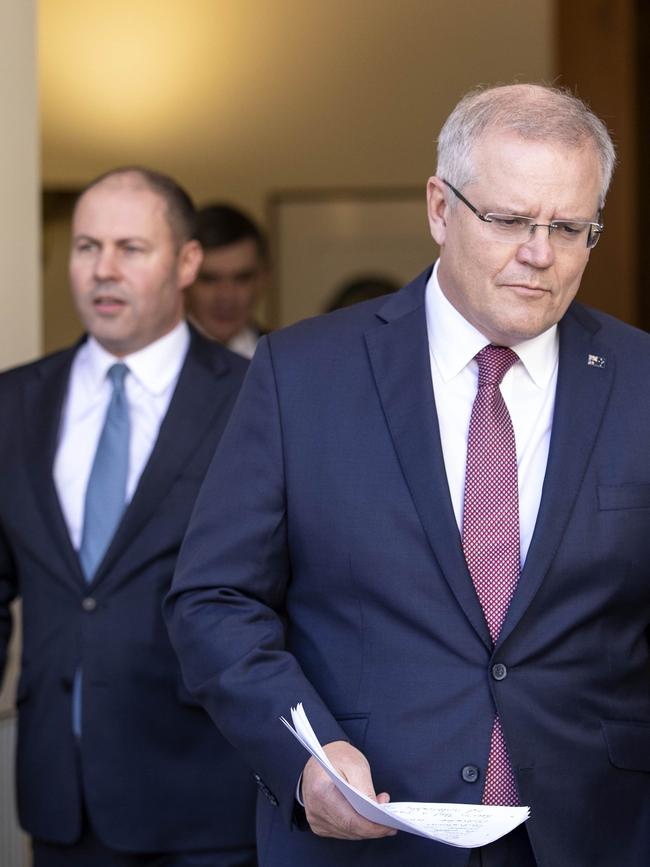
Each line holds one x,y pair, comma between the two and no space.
105,496
106,491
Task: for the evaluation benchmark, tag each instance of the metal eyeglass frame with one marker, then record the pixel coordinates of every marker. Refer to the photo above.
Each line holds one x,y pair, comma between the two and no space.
593,235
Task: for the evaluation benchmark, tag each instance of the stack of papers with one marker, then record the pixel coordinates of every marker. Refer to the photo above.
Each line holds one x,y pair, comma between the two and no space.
465,825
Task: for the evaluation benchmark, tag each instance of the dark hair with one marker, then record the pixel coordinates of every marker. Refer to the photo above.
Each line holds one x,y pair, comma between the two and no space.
181,213
219,225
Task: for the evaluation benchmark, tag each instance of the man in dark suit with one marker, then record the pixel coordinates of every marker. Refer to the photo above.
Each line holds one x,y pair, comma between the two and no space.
102,453
337,556
233,276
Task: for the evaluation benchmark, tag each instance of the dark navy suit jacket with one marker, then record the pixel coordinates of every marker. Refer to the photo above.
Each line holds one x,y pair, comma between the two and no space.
157,776
323,564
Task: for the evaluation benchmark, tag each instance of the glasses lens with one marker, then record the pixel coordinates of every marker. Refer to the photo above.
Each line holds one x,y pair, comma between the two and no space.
570,234
515,229
509,228
594,236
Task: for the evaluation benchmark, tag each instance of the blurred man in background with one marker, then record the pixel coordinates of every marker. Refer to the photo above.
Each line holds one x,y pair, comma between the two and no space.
233,277
108,443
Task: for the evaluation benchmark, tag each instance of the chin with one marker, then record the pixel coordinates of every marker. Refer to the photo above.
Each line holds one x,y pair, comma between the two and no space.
218,335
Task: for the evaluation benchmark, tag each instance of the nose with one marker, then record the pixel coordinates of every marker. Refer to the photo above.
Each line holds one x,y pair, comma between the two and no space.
226,292
106,264
537,251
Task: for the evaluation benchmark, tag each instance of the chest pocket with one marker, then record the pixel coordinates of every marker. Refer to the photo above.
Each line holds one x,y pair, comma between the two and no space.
614,497
628,744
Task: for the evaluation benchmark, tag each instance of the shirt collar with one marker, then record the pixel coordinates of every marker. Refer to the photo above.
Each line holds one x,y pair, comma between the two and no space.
453,341
155,366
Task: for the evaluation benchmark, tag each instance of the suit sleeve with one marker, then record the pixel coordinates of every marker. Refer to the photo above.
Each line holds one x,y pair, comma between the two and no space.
226,608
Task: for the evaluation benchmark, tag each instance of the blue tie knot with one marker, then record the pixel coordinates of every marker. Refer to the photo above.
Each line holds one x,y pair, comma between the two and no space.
117,374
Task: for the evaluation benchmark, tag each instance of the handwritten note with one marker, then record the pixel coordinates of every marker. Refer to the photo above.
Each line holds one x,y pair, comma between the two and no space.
464,825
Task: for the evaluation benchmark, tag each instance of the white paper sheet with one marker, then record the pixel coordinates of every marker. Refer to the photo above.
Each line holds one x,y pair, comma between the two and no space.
464,825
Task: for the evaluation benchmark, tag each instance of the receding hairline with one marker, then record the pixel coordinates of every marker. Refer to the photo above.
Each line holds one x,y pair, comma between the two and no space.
130,180
179,211
522,108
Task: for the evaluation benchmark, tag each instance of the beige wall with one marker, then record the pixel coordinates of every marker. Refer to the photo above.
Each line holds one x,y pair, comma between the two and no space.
242,99
19,186
20,323
237,98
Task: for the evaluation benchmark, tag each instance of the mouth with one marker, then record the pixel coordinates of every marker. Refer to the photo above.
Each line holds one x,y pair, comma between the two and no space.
108,304
526,289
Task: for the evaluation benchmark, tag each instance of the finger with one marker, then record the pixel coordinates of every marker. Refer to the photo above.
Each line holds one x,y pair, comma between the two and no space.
330,815
328,812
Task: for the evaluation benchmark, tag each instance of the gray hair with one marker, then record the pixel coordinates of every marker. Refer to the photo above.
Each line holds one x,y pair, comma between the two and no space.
535,112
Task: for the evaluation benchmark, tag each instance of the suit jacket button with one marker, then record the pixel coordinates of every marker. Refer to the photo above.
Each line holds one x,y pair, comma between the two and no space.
470,773
499,671
89,603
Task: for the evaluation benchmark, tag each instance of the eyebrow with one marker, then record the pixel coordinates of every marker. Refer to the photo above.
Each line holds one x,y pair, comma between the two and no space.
516,213
129,239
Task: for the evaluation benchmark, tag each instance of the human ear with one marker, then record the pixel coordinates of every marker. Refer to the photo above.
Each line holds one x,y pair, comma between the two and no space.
190,257
437,209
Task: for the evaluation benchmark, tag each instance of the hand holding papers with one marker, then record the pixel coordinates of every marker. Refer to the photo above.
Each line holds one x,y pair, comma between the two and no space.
464,825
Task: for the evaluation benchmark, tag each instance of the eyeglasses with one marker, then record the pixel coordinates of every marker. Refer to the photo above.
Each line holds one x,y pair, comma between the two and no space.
515,229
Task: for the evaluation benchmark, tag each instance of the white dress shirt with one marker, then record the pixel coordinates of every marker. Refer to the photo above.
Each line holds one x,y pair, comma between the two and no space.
244,342
149,385
528,390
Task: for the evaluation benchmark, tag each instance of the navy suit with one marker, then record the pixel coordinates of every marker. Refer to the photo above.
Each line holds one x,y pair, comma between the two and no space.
157,776
323,564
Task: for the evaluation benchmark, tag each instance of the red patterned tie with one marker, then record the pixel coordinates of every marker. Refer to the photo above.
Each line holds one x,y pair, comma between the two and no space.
491,529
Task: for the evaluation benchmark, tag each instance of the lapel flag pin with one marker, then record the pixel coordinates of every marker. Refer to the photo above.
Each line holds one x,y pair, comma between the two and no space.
596,361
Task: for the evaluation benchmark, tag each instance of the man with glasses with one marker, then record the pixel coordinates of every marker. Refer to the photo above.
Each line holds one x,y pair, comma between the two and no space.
429,521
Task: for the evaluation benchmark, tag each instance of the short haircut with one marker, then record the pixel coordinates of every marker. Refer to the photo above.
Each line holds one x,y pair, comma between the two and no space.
220,225
181,213
533,111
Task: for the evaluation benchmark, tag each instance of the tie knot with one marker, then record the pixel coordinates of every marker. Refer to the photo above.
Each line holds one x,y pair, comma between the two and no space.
117,373
493,364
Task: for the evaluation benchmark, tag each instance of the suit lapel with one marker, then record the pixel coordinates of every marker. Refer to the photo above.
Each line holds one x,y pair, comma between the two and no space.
197,399
582,394
399,356
44,398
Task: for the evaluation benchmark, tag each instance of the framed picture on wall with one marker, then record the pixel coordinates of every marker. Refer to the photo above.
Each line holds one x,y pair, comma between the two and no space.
324,240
